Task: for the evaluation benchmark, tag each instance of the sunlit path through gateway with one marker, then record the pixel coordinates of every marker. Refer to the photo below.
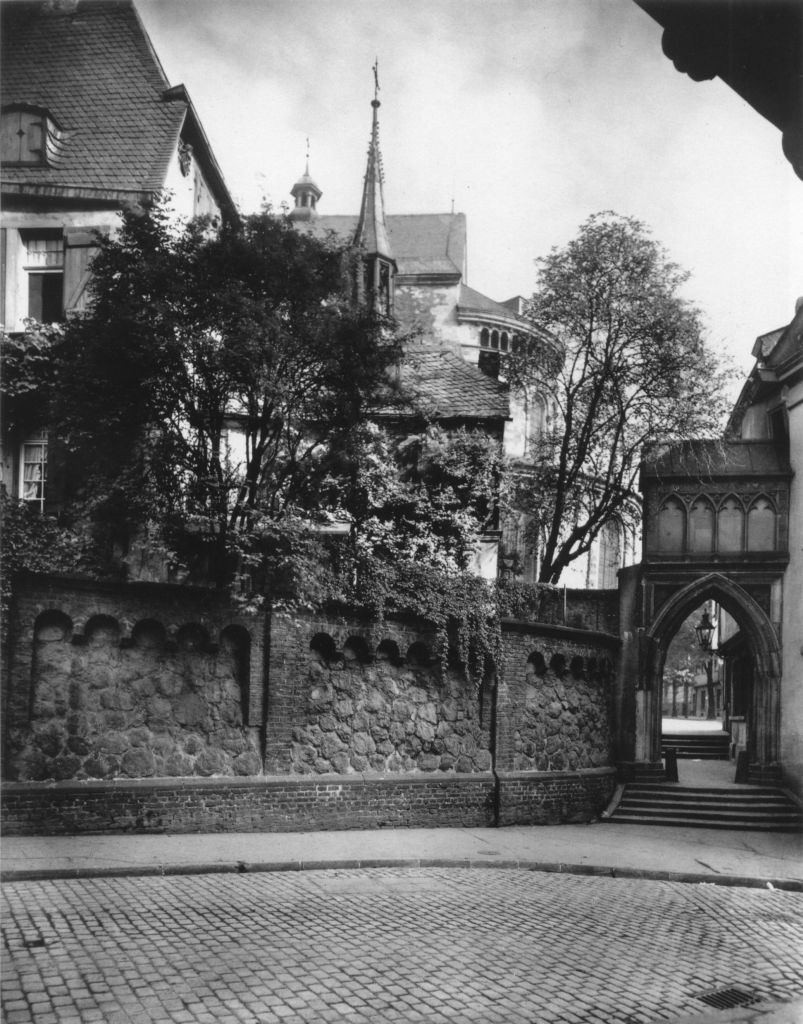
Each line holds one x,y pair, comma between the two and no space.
690,725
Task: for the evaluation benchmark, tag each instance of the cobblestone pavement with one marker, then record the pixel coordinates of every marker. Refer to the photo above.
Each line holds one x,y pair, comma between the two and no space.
397,945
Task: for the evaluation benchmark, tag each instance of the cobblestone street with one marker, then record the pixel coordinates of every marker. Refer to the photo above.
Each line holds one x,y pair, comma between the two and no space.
449,944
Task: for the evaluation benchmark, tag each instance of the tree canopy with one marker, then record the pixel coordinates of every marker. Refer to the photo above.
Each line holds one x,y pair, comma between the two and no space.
218,378
631,367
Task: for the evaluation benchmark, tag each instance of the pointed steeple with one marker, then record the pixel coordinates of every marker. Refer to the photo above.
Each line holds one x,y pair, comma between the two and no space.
306,194
372,232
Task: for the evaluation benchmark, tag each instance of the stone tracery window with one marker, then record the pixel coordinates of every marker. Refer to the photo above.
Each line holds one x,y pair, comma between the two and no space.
761,525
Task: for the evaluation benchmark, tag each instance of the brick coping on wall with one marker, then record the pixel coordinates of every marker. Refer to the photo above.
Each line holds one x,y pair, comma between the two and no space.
568,633
265,781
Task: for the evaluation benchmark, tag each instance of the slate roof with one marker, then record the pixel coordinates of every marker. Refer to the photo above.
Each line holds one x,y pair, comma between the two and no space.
711,459
94,70
469,299
450,388
422,243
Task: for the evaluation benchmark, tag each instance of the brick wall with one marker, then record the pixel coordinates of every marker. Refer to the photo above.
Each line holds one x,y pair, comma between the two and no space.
332,721
554,798
299,803
287,804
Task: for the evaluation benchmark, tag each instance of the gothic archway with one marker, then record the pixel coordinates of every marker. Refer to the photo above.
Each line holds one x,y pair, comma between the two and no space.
764,650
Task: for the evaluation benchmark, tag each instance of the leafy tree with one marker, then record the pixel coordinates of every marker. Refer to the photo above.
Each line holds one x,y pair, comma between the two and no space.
417,505
216,381
632,369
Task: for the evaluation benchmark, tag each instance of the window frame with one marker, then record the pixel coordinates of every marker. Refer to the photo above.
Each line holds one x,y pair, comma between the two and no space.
36,440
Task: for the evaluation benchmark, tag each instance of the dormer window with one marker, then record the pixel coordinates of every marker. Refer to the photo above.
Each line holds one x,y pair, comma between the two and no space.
28,136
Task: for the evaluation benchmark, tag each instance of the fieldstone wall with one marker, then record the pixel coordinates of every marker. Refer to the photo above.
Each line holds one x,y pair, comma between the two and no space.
345,701
566,722
99,696
152,707
556,702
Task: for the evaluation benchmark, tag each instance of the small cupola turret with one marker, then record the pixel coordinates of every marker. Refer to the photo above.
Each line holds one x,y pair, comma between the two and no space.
306,195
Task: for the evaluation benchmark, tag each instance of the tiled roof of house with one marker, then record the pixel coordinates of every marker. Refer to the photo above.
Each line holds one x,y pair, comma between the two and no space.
95,72
448,387
705,460
422,243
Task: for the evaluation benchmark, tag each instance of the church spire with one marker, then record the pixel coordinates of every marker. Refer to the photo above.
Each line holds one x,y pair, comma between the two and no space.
306,194
371,229
371,232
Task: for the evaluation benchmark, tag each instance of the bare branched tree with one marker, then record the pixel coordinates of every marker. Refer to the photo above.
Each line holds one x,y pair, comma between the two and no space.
633,370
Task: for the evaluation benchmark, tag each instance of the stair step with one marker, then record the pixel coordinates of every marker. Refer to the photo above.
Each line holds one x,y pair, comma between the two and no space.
672,807
679,822
731,813
743,807
717,791
693,737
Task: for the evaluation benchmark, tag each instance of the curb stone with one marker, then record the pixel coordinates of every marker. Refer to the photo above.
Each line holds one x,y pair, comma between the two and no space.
350,864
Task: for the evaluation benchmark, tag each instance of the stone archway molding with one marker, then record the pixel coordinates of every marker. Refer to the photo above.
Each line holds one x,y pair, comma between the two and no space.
762,640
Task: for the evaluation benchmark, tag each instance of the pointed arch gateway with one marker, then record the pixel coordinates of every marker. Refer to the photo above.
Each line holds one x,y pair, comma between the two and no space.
763,746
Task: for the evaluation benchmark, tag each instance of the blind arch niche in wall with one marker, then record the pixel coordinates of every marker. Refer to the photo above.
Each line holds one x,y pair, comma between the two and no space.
761,525
701,525
671,525
730,525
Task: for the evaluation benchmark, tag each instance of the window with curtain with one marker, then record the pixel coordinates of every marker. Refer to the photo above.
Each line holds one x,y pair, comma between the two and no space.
44,264
33,470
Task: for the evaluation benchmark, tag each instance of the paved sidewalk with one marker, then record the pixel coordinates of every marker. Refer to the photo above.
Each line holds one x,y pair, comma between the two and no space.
628,851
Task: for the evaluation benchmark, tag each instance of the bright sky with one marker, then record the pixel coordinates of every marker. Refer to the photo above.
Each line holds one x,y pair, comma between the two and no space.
529,114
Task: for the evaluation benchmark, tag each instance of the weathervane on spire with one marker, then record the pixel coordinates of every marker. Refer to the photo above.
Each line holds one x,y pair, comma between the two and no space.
308,154
376,81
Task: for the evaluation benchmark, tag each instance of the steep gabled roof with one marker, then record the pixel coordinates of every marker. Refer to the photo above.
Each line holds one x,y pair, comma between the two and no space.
92,67
450,388
423,244
429,244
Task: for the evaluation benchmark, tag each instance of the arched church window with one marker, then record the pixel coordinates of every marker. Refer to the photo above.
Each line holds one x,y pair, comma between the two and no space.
495,340
730,523
761,525
504,341
701,525
484,338
671,525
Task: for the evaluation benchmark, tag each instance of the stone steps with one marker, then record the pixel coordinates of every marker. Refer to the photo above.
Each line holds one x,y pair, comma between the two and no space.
700,746
742,808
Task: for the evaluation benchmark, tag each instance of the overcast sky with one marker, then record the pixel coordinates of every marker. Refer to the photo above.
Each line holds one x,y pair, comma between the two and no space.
529,114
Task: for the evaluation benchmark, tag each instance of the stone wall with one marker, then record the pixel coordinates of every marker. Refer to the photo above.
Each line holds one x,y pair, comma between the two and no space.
120,697
555,705
343,700
116,682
